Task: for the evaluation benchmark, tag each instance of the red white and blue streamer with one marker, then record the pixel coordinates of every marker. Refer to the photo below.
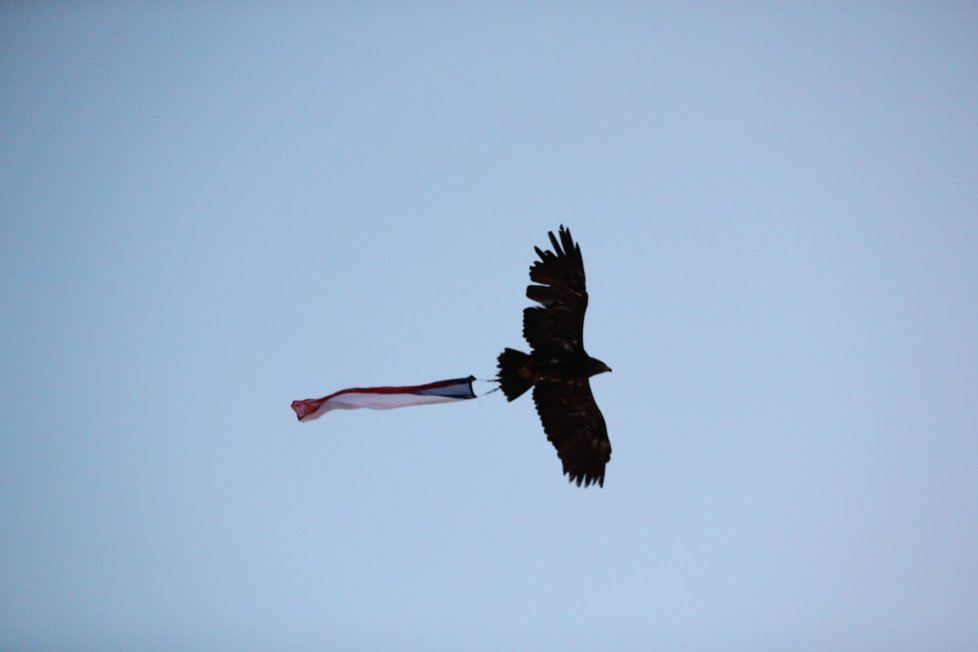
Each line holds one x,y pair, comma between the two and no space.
385,398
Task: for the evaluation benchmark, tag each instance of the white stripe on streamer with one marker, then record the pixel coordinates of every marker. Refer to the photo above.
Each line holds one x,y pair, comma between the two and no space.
385,398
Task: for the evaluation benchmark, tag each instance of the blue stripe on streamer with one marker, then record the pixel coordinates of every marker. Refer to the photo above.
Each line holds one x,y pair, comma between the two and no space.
462,389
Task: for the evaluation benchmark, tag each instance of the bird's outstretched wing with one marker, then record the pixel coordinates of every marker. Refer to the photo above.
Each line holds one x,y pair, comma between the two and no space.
576,428
558,324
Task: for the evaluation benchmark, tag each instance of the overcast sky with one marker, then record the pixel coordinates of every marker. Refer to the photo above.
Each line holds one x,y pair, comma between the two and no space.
208,210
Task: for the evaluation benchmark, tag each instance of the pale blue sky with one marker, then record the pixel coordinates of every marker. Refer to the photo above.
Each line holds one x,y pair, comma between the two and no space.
209,210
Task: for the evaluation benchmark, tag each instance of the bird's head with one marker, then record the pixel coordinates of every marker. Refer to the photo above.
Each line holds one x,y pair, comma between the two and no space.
595,367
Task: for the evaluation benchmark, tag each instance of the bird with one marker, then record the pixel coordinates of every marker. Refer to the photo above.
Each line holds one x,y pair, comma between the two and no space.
557,367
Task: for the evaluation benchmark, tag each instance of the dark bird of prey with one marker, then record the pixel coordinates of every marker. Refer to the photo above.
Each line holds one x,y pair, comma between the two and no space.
558,367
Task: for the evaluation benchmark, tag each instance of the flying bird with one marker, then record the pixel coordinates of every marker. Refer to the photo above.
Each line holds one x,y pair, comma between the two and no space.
557,367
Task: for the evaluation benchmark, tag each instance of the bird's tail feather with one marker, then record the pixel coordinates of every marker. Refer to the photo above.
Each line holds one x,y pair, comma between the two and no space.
514,376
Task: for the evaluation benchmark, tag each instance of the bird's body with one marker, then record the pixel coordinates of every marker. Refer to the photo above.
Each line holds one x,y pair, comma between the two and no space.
558,367
531,369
